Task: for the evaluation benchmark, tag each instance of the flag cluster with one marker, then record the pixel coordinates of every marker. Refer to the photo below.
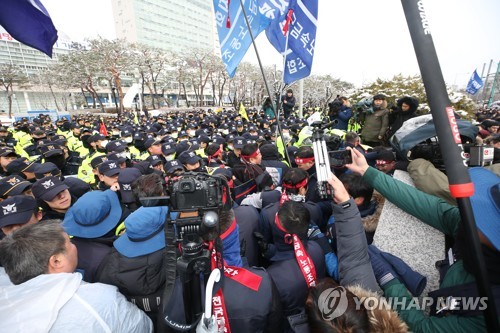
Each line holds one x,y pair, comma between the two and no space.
290,27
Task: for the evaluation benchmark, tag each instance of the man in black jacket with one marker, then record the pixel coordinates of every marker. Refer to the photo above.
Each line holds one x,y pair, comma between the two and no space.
288,102
261,309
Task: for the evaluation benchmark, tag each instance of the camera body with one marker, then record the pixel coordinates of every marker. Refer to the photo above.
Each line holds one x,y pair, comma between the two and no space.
335,107
195,191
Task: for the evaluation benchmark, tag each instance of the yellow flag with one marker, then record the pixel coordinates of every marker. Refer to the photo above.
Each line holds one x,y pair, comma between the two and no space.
218,110
136,120
243,112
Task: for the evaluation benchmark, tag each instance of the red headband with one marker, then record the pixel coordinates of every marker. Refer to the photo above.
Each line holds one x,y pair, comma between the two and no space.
217,152
304,160
303,183
252,155
214,154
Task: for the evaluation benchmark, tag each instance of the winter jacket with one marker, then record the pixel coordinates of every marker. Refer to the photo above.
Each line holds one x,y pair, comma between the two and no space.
289,280
64,303
248,310
288,104
140,279
354,262
91,252
247,218
342,118
375,124
398,117
276,169
355,268
444,217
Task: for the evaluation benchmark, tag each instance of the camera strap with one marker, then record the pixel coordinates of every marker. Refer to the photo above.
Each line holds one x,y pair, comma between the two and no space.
170,277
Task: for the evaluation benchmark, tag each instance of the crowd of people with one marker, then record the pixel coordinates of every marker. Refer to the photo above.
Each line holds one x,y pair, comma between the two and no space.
79,251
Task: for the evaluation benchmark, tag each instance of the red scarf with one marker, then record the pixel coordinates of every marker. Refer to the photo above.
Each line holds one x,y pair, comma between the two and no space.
238,274
305,262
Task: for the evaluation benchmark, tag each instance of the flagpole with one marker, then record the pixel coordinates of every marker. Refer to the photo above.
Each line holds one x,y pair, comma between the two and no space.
482,73
265,81
486,84
493,86
461,186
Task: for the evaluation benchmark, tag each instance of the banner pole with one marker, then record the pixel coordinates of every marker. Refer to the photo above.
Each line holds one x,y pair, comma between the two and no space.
276,112
461,186
493,86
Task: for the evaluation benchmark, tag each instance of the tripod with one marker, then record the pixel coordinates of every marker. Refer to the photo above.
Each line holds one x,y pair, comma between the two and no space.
321,157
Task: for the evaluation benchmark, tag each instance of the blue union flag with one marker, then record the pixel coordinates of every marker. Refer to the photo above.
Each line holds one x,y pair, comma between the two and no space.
292,32
234,36
29,23
475,83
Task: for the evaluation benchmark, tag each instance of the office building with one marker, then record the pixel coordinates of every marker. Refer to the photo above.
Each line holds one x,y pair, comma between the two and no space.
168,24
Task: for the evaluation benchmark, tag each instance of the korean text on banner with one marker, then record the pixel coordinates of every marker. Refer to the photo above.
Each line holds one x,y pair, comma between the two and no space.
301,34
235,39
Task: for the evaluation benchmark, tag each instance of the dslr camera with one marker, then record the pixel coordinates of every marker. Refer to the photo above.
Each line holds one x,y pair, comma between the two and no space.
194,192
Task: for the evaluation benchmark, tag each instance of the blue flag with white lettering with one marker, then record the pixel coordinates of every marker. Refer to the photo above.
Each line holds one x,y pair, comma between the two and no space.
297,22
234,36
29,23
475,83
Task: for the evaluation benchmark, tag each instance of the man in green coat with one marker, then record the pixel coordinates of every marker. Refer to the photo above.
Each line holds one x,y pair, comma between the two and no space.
375,122
438,213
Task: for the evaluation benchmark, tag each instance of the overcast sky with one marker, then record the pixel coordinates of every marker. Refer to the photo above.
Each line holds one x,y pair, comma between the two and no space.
357,40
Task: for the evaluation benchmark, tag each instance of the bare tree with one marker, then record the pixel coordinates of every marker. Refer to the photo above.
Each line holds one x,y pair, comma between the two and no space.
80,69
152,64
11,75
201,63
218,79
114,58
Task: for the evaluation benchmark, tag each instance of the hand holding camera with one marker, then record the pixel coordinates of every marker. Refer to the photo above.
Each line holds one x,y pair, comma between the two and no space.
359,164
340,193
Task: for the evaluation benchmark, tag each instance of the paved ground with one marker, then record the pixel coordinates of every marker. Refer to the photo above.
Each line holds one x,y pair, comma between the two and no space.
416,243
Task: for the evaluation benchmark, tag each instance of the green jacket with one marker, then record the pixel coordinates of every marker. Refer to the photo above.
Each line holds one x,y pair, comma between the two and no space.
375,125
439,214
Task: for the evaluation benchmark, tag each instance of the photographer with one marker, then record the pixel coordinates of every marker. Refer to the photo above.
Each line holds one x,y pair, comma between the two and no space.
261,309
340,110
